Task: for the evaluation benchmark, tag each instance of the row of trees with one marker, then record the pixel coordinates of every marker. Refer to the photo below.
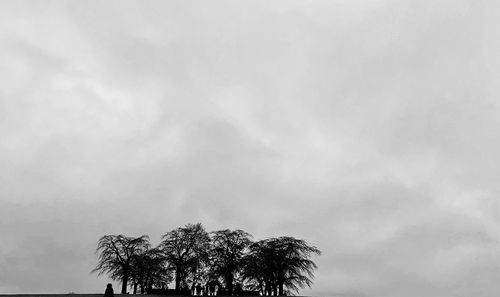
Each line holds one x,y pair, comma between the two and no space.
191,255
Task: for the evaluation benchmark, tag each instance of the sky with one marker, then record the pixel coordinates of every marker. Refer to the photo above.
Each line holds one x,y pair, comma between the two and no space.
368,128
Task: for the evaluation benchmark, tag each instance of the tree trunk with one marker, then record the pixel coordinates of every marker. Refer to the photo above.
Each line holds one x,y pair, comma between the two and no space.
124,283
143,285
229,283
269,289
280,281
177,279
281,288
279,284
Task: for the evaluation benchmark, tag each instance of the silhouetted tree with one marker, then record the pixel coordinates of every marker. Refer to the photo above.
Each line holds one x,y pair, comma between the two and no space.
258,268
149,269
278,263
186,249
116,253
227,253
158,273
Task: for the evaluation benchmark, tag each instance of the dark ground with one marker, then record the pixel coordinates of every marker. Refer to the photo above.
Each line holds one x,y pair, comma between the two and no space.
83,295
79,295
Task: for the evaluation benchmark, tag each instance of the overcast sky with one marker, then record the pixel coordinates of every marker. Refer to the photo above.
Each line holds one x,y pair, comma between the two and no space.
369,128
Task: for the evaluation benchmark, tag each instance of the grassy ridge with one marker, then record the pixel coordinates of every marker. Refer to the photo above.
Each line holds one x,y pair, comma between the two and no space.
86,295
55,295
77,295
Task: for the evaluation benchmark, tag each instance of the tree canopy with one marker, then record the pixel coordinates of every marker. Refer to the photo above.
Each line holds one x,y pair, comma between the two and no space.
227,254
116,255
149,269
186,249
224,259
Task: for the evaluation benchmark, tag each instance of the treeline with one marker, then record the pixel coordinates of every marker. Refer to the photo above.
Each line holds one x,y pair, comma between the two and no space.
223,262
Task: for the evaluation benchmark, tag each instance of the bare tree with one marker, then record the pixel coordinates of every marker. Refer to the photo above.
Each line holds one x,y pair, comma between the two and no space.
278,263
149,269
227,254
116,253
186,249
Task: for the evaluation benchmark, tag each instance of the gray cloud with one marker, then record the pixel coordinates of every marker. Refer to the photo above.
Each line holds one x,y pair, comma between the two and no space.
367,128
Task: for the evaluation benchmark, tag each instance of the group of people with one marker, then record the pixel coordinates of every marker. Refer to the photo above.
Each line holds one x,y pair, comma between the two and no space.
213,288
210,289
198,290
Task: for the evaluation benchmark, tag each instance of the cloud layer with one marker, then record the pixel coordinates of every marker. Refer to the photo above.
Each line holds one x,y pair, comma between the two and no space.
368,128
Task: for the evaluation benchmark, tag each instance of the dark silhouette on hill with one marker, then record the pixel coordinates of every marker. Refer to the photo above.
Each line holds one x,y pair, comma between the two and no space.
227,254
277,263
116,253
220,263
109,291
186,249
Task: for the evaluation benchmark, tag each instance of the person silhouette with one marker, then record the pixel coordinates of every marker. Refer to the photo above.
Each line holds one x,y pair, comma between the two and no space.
109,291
